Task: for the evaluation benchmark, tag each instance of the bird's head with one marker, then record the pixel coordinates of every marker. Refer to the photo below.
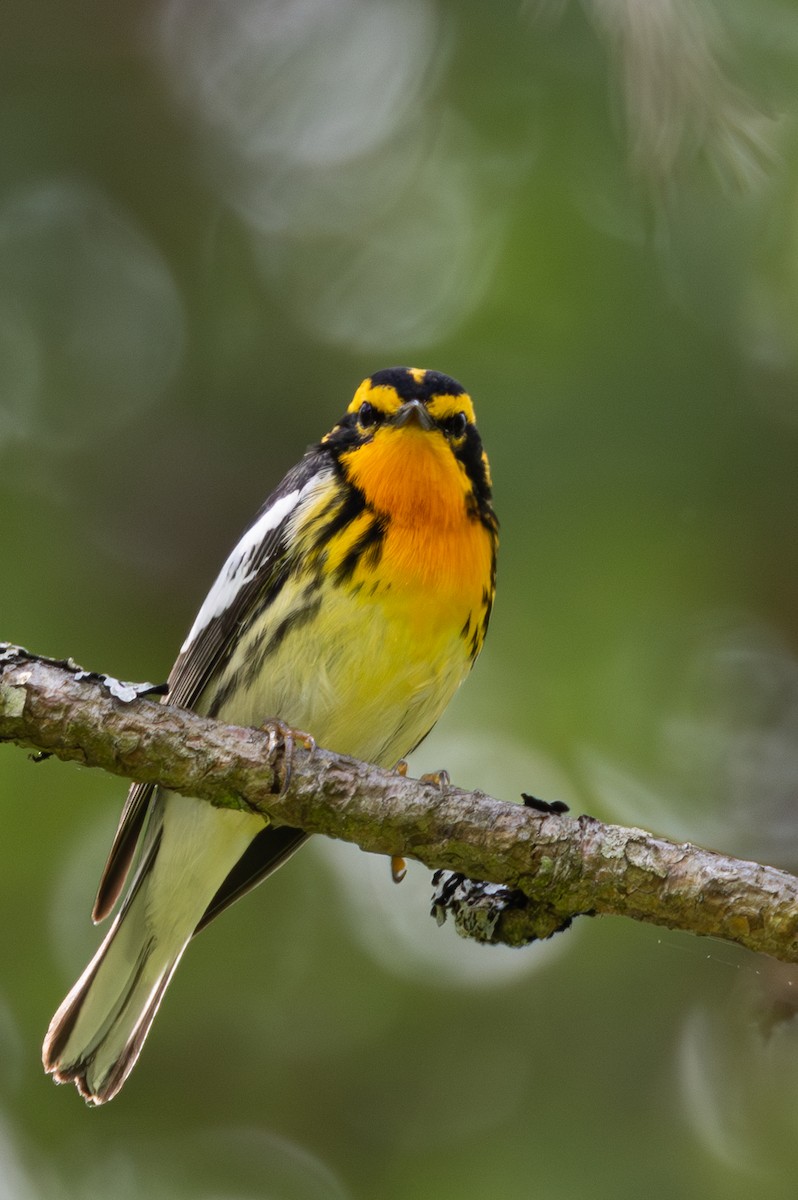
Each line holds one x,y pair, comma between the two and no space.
409,441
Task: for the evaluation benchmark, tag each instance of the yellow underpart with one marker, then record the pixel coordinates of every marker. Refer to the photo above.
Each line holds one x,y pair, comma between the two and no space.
360,677
366,676
372,669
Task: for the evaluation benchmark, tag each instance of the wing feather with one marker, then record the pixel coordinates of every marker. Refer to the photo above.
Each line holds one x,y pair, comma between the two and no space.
248,571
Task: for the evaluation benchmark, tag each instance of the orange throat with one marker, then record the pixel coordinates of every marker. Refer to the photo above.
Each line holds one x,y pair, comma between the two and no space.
411,479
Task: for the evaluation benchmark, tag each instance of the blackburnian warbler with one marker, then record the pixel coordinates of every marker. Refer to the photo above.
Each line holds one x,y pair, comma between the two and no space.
353,607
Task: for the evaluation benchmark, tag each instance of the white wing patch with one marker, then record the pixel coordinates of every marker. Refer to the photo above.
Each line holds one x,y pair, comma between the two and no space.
238,570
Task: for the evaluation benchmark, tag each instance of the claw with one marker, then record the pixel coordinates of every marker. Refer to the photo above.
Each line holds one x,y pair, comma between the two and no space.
398,864
398,868
281,734
442,781
439,778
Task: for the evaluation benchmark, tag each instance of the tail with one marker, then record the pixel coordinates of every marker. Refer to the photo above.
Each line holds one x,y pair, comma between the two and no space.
97,1034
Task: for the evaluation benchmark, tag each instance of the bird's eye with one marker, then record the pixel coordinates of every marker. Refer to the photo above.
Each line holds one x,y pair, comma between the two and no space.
367,415
455,426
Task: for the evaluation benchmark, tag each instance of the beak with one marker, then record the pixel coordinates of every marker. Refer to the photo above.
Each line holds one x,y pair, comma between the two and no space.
415,411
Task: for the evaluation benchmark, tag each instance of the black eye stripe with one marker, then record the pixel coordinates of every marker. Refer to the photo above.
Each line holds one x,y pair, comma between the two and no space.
368,417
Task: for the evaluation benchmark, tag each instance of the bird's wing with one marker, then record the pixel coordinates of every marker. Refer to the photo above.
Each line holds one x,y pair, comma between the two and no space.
253,567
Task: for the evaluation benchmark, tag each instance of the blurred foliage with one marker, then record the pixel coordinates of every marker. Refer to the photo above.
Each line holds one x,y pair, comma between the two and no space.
215,219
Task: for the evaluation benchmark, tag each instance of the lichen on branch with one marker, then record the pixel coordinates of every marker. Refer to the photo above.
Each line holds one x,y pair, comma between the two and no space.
554,867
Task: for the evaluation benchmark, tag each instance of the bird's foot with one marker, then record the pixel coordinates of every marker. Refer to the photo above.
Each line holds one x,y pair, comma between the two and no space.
398,864
441,780
282,735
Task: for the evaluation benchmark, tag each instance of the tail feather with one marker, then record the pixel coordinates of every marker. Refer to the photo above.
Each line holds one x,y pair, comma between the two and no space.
97,1034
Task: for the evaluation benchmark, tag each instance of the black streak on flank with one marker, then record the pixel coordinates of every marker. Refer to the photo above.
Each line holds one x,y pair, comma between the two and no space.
353,505
487,600
367,546
246,677
289,624
222,695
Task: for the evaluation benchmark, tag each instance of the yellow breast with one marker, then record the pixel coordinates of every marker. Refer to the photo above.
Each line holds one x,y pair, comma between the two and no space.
367,658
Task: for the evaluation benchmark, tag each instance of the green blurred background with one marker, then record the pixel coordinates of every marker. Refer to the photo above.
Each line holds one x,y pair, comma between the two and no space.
215,219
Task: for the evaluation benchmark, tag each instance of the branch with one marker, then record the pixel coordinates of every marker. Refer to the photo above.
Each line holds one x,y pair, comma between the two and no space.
551,867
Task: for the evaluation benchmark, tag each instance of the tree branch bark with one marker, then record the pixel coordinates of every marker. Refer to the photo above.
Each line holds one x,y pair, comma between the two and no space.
551,867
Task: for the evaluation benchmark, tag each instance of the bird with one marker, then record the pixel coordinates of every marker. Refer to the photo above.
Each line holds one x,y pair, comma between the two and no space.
352,607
